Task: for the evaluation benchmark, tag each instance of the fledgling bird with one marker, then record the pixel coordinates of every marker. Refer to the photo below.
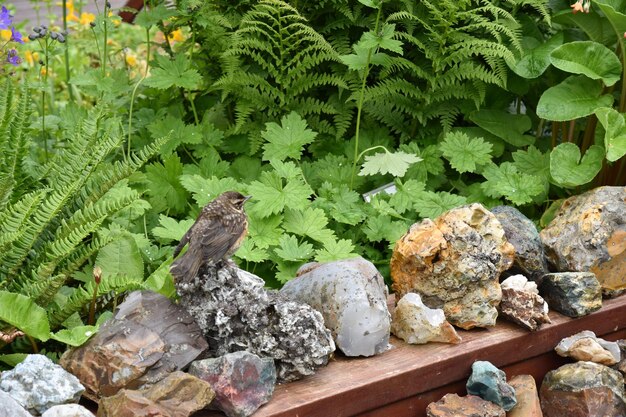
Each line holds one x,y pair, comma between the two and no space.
215,236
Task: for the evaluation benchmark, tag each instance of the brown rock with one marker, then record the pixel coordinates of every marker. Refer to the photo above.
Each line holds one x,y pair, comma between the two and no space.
454,263
522,304
451,405
586,346
178,395
528,404
589,234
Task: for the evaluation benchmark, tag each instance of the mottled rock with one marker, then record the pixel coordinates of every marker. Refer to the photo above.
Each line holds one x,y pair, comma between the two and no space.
9,407
454,263
415,323
583,389
489,383
574,294
68,410
177,395
352,297
520,231
236,312
242,381
38,384
585,346
621,366
588,233
451,405
522,304
149,337
528,404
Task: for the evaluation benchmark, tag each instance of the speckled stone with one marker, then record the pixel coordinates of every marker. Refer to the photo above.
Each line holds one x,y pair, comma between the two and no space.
574,294
489,383
451,405
522,304
586,346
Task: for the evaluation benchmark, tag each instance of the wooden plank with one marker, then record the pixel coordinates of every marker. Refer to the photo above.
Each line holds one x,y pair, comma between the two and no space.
353,386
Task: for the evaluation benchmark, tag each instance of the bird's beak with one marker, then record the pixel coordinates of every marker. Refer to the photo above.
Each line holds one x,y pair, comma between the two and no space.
246,198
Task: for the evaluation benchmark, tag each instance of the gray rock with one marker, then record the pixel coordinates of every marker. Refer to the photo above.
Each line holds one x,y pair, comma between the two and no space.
236,313
9,407
352,297
242,381
585,346
520,231
68,410
574,294
489,383
39,384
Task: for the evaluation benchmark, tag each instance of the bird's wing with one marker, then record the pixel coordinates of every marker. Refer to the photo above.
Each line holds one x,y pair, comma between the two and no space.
183,241
221,235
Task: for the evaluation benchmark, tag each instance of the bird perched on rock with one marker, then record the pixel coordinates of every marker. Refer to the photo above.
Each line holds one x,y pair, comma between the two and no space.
215,236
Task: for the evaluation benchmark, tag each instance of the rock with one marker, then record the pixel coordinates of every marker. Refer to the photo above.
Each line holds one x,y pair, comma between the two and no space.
585,346
451,405
352,297
588,233
528,404
520,231
242,381
583,389
574,294
38,384
236,313
415,323
454,263
522,304
621,366
148,338
68,410
177,395
10,407
489,383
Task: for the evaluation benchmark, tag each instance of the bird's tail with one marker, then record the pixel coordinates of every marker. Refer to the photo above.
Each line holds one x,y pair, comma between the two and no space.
185,268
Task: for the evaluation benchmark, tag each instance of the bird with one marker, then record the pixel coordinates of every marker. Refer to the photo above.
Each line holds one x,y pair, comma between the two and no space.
216,234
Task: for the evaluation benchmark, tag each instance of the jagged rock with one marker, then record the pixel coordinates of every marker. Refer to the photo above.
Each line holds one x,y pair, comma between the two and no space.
621,366
574,294
454,263
520,231
352,297
489,383
68,410
9,407
38,384
415,323
451,405
522,304
585,346
148,338
588,233
177,395
242,381
583,389
528,404
236,313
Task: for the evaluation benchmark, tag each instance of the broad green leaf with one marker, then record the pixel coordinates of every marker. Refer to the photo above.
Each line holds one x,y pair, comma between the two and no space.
613,10
179,133
535,58
75,336
568,169
395,163
383,40
120,257
286,140
271,195
249,252
532,161
335,250
374,4
465,154
149,17
173,73
286,270
614,132
171,229
406,195
22,312
380,228
595,26
161,280
290,250
164,188
204,190
506,181
309,222
265,232
589,58
12,359
577,96
431,204
509,127
358,61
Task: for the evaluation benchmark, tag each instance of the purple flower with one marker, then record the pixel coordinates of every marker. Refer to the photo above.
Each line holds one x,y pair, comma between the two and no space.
13,58
16,36
5,18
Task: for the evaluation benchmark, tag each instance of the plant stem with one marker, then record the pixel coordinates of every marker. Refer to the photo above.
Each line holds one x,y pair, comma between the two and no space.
92,306
133,95
67,53
33,343
106,35
43,101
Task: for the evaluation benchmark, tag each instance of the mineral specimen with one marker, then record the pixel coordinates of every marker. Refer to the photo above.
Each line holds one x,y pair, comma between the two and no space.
10,407
68,410
585,346
522,304
489,383
451,405
574,294
528,404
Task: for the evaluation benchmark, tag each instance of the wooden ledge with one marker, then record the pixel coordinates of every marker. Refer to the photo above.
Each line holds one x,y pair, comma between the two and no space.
402,381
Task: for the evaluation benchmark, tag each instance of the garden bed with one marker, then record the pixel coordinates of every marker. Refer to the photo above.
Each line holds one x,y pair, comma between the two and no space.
404,380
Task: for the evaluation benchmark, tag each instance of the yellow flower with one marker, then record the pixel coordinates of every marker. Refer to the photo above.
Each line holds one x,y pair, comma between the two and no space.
131,60
5,35
176,36
86,18
31,57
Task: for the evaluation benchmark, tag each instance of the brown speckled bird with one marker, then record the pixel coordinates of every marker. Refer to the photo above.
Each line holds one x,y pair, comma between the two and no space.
215,236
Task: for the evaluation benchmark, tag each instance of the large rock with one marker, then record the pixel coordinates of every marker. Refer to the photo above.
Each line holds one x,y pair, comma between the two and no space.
528,404
236,312
583,389
489,383
589,234
415,323
9,407
352,297
242,381
520,231
574,294
39,384
451,405
522,304
178,395
68,410
454,263
148,338
585,346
